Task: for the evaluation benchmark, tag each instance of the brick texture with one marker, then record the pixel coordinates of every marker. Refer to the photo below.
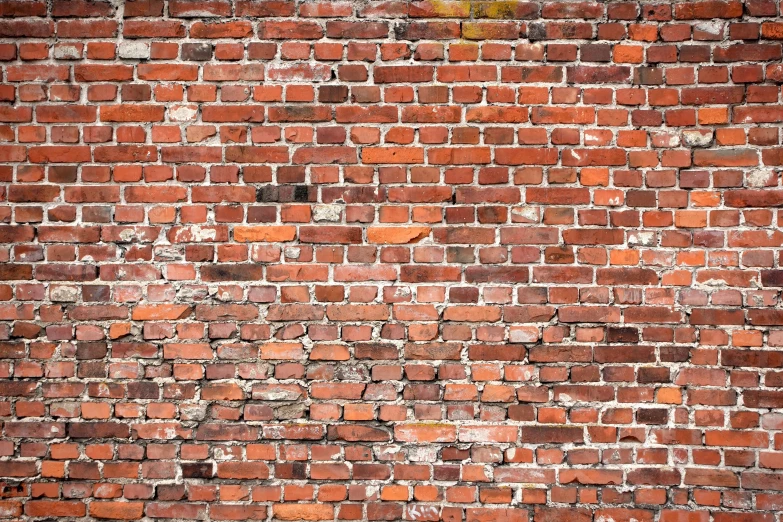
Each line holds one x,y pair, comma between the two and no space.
400,260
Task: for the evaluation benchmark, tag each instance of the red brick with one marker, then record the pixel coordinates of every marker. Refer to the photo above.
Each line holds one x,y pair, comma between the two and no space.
459,289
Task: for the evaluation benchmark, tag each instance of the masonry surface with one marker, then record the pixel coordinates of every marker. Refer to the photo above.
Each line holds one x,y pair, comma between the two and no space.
400,260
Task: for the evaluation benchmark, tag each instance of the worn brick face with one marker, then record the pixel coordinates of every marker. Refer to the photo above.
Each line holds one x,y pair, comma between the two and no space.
391,260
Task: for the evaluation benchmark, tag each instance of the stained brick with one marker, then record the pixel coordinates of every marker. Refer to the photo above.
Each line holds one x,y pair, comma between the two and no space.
460,261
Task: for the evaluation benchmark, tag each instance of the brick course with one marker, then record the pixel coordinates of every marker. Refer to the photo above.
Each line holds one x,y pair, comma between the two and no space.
399,260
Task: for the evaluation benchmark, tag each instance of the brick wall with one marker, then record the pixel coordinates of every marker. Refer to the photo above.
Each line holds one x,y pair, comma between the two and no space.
359,260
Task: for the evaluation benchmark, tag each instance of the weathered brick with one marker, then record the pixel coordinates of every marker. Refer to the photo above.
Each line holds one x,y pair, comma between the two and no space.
456,260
